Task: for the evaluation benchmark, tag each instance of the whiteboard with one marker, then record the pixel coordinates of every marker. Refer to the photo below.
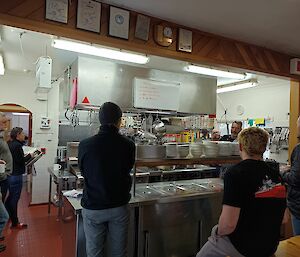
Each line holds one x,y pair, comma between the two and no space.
152,94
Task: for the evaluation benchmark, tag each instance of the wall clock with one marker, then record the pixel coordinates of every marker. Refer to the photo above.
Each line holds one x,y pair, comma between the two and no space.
163,35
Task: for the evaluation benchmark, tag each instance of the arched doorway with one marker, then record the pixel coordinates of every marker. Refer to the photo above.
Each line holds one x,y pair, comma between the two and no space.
18,116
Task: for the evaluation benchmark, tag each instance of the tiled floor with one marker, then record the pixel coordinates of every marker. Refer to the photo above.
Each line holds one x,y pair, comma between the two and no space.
42,238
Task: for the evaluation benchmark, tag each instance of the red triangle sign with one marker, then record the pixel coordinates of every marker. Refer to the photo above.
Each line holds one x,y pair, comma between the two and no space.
85,100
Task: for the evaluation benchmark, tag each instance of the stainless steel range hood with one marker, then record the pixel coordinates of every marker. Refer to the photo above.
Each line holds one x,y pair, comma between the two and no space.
102,81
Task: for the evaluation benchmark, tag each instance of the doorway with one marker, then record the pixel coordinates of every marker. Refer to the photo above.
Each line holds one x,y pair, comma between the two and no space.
18,116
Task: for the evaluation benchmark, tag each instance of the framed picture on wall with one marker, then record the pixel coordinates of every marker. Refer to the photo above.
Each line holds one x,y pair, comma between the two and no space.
185,40
57,10
142,27
119,22
89,15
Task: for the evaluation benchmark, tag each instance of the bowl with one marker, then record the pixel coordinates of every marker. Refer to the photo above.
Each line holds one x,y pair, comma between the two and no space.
183,150
171,150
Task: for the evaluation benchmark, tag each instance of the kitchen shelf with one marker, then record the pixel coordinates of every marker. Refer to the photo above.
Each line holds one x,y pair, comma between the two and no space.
187,161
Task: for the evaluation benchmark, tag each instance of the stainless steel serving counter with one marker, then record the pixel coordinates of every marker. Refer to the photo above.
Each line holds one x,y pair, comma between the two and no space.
166,219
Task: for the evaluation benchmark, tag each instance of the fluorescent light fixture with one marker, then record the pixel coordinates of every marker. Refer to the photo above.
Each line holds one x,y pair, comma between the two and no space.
2,70
20,114
100,51
237,86
214,72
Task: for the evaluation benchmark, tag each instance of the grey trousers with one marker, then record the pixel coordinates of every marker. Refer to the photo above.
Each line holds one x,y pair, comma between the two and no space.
100,224
218,246
3,216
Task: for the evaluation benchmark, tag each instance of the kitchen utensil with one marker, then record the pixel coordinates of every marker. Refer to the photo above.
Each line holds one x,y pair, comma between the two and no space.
171,150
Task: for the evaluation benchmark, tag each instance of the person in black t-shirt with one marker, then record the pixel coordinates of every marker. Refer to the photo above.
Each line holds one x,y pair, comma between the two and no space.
253,204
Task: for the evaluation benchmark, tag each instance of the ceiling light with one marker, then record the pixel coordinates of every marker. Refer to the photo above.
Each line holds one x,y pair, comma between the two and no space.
2,70
237,86
214,72
100,51
20,113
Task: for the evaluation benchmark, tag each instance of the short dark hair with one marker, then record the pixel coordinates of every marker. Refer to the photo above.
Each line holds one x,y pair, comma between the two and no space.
109,114
239,123
15,132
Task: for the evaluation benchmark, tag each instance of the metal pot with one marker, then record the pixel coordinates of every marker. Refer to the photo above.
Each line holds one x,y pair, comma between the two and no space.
158,127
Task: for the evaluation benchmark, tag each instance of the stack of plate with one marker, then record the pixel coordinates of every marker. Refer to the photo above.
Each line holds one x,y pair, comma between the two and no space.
196,149
225,148
150,151
183,150
171,149
235,148
211,148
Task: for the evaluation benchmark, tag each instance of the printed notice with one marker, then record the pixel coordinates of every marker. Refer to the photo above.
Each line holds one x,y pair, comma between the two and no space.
160,95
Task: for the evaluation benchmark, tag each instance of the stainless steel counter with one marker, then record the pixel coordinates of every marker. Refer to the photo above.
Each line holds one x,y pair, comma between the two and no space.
166,192
160,214
59,177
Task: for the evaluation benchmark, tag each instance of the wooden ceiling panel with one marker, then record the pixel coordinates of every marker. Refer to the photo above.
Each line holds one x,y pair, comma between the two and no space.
208,48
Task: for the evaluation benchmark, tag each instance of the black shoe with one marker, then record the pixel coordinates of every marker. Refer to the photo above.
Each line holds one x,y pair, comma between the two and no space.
2,248
19,226
2,238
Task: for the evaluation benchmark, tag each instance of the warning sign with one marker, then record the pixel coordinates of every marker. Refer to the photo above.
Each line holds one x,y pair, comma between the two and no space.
85,100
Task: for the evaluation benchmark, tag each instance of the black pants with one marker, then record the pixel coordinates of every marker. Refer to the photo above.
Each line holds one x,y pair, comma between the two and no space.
4,188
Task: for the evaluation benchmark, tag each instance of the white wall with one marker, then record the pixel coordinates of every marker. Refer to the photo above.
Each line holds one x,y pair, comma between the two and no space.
268,100
18,88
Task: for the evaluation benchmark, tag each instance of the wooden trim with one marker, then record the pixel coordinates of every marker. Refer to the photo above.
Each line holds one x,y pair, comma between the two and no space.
294,113
208,49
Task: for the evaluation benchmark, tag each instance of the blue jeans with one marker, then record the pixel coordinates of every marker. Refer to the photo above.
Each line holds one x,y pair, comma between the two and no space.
3,217
98,224
296,225
11,203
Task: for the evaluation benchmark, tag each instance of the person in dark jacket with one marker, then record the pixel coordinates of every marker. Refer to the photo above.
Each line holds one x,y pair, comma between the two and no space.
291,176
236,128
16,179
105,161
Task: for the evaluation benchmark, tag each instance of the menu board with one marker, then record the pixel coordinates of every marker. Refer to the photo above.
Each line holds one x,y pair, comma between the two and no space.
158,95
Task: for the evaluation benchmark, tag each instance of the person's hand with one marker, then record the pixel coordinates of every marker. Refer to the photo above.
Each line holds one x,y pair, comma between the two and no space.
2,162
284,168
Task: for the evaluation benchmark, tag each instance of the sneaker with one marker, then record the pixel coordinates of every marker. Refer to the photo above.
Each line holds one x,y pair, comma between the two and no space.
2,248
19,226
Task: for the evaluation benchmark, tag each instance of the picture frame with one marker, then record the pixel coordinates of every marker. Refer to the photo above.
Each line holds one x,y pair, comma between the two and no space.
185,40
119,22
89,15
57,10
142,27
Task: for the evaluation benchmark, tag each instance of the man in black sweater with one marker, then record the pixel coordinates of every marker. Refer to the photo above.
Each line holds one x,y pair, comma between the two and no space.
105,161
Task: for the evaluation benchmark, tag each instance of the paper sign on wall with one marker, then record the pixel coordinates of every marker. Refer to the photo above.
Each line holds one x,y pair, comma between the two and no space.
151,94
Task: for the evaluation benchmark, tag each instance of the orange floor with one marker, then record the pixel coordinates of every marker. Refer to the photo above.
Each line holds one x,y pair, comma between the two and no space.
42,238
